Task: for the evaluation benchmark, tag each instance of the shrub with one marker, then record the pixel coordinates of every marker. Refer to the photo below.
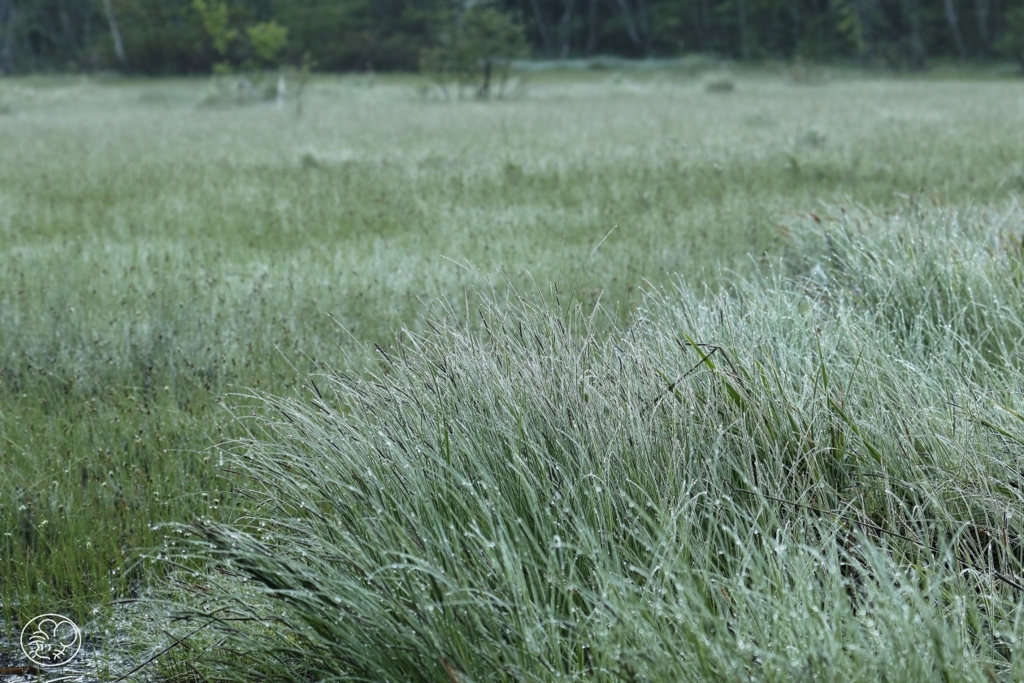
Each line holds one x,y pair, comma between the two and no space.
720,84
268,39
474,49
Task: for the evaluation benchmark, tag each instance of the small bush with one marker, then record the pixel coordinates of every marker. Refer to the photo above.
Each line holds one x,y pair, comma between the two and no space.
267,39
474,48
720,84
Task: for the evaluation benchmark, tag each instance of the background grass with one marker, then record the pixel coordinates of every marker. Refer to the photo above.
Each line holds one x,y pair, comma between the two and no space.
155,254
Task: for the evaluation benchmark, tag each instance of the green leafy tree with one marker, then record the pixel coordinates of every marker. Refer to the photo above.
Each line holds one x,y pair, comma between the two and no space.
470,41
475,48
216,21
267,39
1011,43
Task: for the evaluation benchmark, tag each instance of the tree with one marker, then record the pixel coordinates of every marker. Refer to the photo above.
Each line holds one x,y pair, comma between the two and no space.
918,58
637,18
954,26
1011,43
188,36
741,19
981,9
115,33
543,28
267,39
474,47
214,16
7,16
591,28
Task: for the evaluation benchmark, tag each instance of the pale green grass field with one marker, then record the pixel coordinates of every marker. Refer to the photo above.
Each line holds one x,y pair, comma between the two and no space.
157,255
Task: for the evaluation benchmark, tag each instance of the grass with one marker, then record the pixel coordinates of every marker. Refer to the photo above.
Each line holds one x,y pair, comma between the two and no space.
156,255
791,480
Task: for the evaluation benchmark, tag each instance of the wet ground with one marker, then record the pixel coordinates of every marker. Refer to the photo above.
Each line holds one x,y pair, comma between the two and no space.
106,653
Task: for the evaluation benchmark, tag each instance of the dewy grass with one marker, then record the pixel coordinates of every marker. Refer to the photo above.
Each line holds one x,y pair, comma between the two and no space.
156,255
918,291
774,483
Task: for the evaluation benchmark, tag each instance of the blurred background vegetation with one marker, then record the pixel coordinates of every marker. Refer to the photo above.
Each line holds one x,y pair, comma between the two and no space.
156,37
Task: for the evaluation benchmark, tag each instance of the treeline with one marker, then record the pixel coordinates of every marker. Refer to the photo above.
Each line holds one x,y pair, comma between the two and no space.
185,36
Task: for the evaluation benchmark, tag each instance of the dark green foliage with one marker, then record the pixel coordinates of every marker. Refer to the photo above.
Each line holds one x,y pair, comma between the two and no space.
474,48
172,36
355,34
1012,41
267,38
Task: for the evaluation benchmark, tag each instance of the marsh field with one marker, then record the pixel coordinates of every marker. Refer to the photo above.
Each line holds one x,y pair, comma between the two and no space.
361,394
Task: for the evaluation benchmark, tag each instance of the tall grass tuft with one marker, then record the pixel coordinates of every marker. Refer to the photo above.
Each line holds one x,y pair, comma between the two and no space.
806,477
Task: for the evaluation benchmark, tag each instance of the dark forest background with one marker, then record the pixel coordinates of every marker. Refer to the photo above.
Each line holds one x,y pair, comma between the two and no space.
184,36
